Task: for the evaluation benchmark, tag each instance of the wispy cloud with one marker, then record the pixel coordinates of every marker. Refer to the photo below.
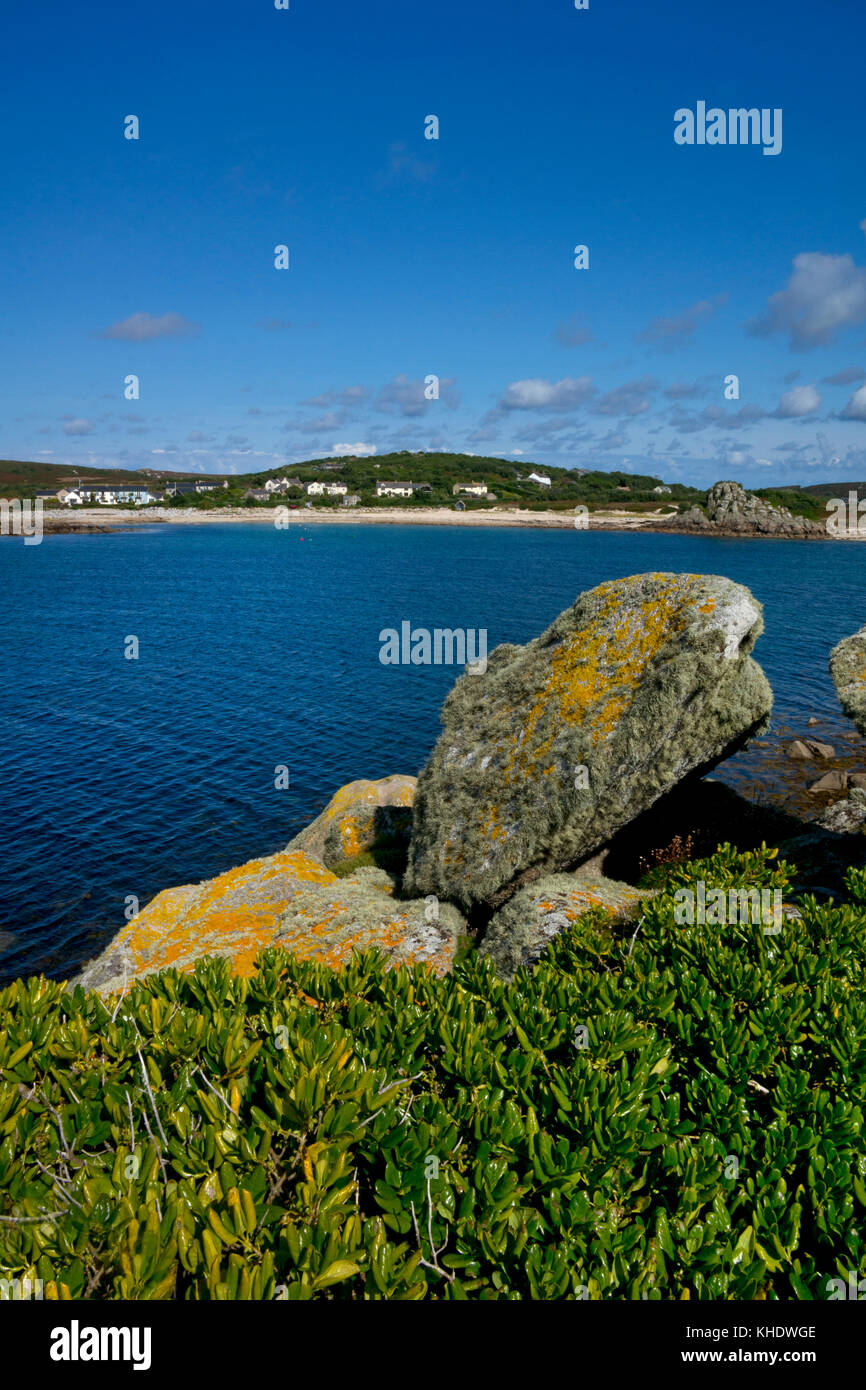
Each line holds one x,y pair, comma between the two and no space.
666,333
572,332
144,327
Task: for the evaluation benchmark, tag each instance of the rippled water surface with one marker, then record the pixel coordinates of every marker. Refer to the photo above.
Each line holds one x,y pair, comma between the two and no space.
259,648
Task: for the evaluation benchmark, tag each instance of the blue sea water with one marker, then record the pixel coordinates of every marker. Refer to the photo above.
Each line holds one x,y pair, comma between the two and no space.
259,649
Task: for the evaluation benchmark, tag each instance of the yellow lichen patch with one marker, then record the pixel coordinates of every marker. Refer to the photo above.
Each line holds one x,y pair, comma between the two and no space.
232,914
594,675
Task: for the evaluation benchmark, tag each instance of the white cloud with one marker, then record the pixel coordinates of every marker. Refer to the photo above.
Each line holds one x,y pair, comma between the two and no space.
824,296
534,393
355,450
800,400
856,407
78,427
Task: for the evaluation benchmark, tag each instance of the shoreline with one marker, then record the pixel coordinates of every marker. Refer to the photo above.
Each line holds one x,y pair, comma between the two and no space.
95,521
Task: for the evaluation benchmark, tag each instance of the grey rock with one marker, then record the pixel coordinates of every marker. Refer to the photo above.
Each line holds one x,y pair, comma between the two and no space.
562,742
848,673
521,931
835,781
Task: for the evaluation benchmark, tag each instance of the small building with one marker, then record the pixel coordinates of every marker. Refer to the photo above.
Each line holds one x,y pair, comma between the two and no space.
115,494
662,489
384,489
351,499
257,494
188,486
471,489
540,478
70,497
318,489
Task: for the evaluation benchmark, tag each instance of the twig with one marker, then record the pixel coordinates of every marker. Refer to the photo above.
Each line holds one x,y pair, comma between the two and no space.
634,938
20,1220
150,1094
131,1124
67,1152
217,1093
433,1262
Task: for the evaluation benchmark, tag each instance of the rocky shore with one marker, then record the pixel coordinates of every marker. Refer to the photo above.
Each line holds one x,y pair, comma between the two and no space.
561,774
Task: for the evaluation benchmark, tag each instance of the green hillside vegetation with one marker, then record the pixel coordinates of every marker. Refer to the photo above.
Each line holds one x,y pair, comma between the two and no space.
366,1134
800,501
823,492
504,478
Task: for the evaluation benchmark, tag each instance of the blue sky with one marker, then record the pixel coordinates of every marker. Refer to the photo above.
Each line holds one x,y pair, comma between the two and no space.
452,257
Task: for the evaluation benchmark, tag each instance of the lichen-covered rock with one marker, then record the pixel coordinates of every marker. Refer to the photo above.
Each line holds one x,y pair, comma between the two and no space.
848,672
287,899
562,742
232,915
846,817
520,931
329,923
357,816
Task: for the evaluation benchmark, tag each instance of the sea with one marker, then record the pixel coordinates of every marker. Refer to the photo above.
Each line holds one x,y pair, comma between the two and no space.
176,700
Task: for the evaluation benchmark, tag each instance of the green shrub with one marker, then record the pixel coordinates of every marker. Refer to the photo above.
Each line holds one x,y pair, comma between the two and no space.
367,1134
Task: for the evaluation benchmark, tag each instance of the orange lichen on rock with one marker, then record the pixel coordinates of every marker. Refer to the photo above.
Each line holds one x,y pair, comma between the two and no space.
288,899
521,930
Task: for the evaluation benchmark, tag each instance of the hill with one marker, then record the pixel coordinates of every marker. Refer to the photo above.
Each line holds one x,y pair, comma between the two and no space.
507,481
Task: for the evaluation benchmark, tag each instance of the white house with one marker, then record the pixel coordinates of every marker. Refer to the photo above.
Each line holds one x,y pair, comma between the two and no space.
541,478
471,489
332,489
394,489
70,497
662,488
105,496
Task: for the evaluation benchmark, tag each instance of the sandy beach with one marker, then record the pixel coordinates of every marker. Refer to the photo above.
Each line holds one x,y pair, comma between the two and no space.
106,519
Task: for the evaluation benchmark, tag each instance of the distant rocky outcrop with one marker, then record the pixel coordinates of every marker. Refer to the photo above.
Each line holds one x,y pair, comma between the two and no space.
562,742
732,511
848,673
